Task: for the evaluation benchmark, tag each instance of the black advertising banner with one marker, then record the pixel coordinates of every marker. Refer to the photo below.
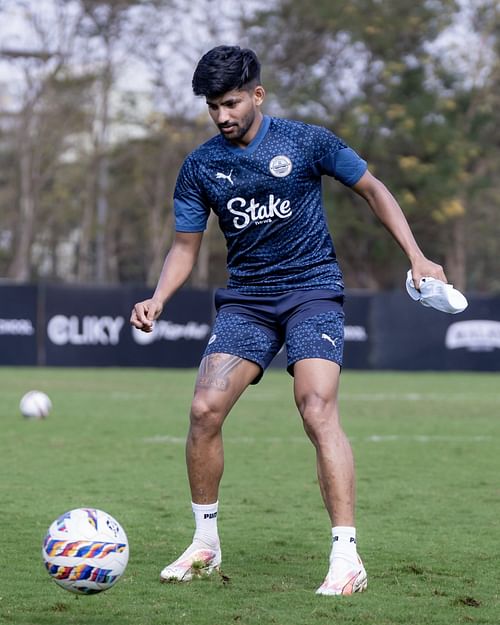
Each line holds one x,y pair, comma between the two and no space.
357,331
18,325
472,338
179,336
89,326
409,336
84,326
61,325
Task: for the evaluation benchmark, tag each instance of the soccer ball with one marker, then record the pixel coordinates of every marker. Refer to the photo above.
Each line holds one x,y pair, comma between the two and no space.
85,551
35,405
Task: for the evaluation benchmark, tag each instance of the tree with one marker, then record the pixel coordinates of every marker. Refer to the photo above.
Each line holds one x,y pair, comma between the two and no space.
366,69
102,27
178,124
472,76
38,68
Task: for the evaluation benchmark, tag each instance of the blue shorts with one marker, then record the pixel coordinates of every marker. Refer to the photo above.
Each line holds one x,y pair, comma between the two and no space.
255,327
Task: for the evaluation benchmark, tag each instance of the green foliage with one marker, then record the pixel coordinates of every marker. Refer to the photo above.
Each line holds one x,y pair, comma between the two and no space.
365,69
426,447
424,116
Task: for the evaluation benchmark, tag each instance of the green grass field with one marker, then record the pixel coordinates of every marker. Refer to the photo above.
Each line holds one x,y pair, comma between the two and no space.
427,449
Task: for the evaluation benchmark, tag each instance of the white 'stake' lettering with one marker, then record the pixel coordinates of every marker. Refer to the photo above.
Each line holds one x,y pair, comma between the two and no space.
256,212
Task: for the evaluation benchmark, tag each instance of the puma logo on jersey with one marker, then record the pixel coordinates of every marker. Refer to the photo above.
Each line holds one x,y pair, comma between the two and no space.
329,338
225,176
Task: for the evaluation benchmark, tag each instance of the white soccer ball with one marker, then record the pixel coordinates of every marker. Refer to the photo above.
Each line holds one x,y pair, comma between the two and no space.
85,551
35,405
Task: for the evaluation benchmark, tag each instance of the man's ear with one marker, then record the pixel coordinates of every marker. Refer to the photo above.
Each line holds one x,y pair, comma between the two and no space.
259,93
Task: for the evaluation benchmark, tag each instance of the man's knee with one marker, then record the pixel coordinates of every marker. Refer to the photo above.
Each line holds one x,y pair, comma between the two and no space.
318,413
312,406
206,417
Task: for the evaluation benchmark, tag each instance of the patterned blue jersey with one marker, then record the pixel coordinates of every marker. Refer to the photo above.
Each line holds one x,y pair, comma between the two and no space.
267,198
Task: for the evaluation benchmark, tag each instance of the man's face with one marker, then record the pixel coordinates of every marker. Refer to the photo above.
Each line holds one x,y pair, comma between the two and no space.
237,114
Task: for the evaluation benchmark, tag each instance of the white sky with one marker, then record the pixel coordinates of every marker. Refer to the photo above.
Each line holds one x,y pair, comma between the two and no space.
200,24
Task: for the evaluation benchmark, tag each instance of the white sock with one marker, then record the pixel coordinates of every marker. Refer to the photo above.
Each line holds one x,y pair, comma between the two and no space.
205,518
344,543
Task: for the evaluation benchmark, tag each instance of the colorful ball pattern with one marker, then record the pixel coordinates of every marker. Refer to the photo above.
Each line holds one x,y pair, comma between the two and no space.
85,551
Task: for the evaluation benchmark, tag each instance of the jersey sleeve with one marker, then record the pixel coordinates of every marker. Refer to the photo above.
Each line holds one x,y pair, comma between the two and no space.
190,205
337,159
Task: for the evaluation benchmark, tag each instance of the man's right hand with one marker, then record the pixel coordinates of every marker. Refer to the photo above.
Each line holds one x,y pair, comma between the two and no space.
145,313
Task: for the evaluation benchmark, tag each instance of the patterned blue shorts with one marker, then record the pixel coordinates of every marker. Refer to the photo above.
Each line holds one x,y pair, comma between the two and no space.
309,323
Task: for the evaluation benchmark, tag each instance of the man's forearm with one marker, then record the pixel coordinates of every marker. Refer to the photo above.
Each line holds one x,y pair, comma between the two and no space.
176,269
388,211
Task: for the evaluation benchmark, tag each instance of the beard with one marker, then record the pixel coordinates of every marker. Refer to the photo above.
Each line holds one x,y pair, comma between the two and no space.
236,131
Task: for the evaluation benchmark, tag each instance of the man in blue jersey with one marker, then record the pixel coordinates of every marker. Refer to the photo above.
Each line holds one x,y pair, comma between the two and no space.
261,176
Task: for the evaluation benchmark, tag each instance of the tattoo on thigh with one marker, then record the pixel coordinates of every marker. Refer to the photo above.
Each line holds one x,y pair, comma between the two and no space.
215,370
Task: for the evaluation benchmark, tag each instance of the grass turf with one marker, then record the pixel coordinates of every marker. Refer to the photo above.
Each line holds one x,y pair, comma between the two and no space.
427,454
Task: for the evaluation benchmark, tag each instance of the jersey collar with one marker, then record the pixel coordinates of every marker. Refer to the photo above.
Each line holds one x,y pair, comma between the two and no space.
254,143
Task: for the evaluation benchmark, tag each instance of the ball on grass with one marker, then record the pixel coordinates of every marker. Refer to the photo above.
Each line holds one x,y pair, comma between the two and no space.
85,551
35,405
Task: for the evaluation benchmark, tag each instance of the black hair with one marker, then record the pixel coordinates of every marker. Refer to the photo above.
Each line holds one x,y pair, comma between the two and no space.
226,68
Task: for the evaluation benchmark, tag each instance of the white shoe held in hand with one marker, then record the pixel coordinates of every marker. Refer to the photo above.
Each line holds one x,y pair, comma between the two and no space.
436,294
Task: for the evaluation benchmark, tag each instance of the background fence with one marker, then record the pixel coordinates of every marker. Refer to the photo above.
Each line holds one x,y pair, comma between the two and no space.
59,325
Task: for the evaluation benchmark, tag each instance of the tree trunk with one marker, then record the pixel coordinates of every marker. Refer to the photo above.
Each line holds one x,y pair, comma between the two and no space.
160,228
102,219
84,272
456,256
19,269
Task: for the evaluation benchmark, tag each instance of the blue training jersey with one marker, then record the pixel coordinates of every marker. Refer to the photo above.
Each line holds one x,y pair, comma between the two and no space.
268,200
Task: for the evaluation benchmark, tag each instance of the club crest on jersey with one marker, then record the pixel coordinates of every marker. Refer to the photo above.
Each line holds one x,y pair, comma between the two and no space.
280,166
